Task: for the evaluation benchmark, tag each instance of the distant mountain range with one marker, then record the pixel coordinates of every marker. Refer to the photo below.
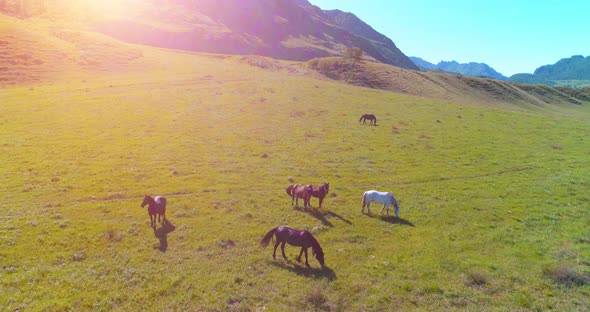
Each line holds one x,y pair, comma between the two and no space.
569,72
573,71
467,69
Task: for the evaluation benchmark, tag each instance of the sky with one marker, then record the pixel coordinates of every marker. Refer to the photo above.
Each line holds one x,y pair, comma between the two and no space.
512,36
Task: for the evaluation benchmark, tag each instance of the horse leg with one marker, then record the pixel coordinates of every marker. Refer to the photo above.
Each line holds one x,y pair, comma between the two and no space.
274,253
306,262
321,200
369,207
283,249
300,253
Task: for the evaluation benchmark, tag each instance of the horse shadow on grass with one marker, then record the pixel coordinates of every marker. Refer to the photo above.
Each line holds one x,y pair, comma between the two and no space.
162,234
317,273
316,213
392,219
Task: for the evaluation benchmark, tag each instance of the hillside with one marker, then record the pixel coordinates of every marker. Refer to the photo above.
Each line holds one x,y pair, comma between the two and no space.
573,71
449,87
469,69
285,29
383,44
32,52
61,53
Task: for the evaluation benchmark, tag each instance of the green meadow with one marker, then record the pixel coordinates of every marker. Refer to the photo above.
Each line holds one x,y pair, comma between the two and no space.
494,202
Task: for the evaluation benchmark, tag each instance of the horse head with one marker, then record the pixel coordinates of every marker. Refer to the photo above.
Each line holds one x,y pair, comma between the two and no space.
326,186
319,254
146,201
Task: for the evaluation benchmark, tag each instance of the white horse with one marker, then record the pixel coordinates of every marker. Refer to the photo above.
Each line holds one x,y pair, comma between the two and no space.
385,198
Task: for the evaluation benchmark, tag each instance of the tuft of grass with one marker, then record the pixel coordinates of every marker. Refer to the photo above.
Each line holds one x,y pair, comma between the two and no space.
317,299
476,279
112,235
567,275
226,243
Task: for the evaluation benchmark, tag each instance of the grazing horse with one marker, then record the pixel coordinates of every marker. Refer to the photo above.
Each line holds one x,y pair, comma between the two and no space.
320,191
384,198
294,237
370,117
156,206
297,191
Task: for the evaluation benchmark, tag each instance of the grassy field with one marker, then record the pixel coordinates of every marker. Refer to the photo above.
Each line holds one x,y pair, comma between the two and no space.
494,203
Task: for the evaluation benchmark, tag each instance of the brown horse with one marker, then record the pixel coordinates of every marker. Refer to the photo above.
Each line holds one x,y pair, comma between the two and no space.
370,117
156,208
297,191
320,191
294,237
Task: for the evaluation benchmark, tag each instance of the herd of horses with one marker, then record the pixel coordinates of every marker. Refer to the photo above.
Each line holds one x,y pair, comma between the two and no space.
286,235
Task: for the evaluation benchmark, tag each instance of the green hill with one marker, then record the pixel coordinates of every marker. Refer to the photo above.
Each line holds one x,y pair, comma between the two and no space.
572,72
449,87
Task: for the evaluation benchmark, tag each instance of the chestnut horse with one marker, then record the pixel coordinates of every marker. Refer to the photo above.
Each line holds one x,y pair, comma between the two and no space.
156,206
297,191
294,237
370,117
320,191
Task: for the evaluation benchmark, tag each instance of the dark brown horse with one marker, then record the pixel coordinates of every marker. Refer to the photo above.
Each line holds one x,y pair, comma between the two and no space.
297,191
320,191
156,206
294,237
370,117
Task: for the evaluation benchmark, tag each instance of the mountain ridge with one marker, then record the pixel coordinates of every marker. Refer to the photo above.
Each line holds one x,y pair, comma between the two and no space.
469,69
572,71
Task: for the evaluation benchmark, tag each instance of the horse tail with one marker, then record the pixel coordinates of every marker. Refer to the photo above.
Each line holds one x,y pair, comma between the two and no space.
289,189
267,238
361,118
364,201
395,205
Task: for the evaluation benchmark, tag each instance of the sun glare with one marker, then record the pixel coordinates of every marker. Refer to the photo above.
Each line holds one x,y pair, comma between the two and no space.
111,7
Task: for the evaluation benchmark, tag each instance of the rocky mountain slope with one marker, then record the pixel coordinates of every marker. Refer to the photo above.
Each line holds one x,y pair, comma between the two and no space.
283,29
